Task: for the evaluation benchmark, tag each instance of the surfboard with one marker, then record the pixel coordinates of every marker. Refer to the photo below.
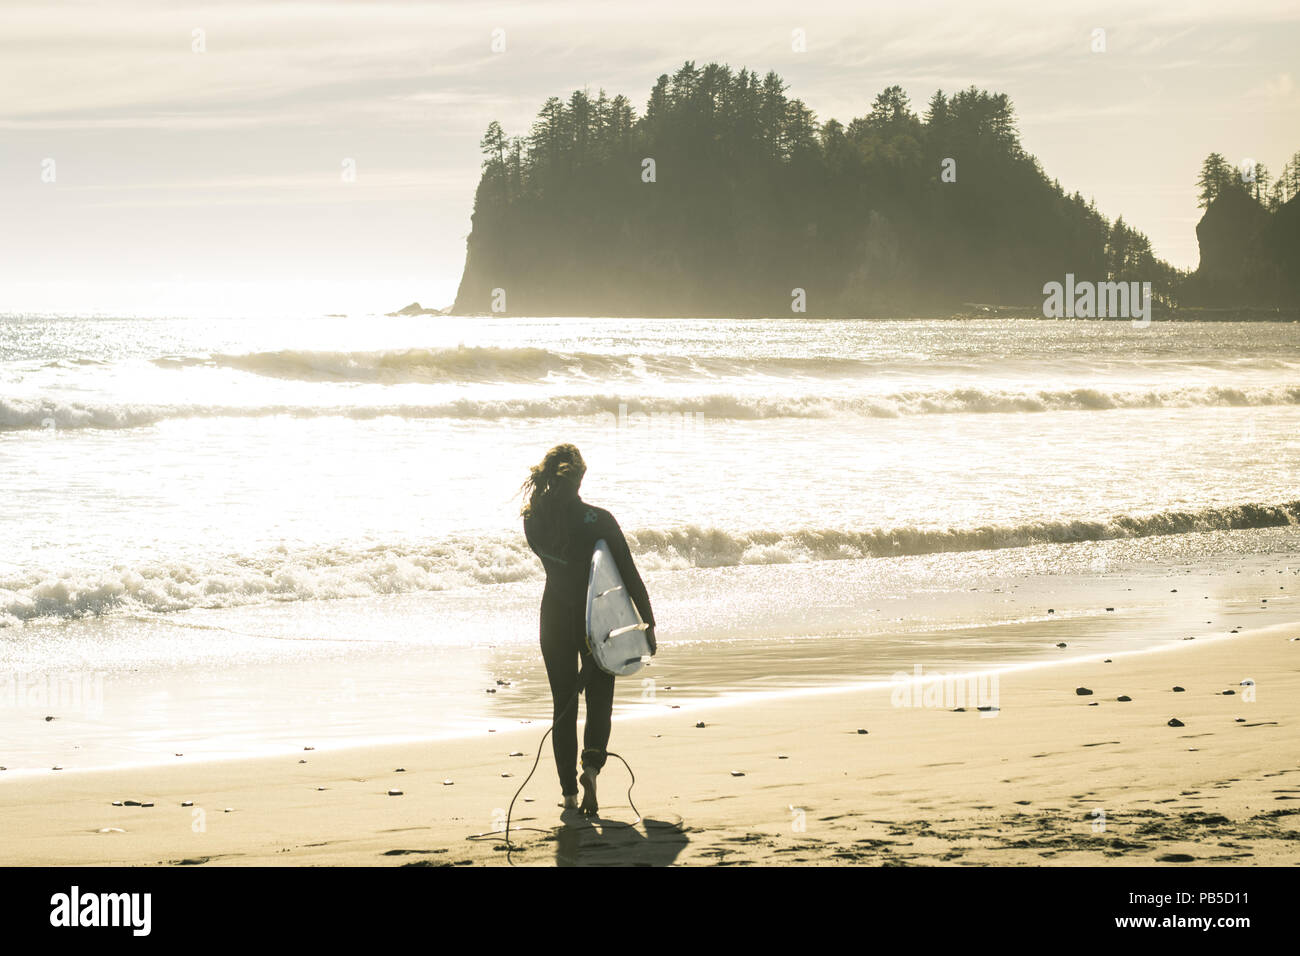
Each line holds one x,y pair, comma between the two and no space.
616,635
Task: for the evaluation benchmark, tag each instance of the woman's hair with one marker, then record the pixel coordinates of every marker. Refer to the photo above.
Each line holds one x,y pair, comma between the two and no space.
555,481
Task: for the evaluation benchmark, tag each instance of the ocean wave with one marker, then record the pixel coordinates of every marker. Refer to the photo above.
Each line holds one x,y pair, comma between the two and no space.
503,364
281,575
331,573
22,414
700,547
46,413
530,364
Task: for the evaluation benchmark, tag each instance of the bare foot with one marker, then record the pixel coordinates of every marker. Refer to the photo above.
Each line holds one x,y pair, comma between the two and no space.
588,781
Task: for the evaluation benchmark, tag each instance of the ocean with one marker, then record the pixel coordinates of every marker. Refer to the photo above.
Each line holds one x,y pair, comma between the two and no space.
231,536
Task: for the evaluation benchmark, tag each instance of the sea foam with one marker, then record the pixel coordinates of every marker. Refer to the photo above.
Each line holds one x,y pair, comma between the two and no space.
331,573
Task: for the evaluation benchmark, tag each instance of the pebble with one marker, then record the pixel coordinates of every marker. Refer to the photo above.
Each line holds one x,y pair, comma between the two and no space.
1110,609
515,753
308,748
1051,610
1240,720
1106,661
782,757
861,730
699,723
1175,722
394,793
1061,644
229,810
737,773
56,768
187,803
448,783
48,719
1083,691
111,830
399,770
130,803
1094,704
1124,698
491,690
959,710
1229,693
117,803
1179,690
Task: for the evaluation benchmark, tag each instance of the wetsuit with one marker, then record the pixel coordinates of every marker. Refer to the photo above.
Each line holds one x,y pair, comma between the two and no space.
565,546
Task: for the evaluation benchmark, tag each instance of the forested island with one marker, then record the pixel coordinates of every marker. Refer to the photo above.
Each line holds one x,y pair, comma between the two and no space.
727,197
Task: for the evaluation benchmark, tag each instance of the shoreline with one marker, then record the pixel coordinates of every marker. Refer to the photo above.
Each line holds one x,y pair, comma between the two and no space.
956,803
1028,313
726,700
395,691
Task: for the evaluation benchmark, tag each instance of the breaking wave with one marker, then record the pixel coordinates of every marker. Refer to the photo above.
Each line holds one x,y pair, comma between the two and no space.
451,365
323,574
526,364
44,413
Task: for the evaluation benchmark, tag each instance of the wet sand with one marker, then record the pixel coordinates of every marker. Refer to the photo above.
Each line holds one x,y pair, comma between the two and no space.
1053,776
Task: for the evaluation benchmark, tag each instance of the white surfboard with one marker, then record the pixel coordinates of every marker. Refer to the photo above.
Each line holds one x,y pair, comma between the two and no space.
616,635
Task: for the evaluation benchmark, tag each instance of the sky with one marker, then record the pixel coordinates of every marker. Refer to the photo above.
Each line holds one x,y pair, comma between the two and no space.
233,157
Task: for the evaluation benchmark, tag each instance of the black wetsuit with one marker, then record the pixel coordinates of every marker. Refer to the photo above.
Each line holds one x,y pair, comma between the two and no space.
565,546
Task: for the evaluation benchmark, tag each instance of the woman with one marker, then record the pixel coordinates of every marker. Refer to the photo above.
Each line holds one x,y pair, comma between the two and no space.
562,530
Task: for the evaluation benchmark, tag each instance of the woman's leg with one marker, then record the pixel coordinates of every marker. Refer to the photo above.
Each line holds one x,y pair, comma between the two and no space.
561,659
599,691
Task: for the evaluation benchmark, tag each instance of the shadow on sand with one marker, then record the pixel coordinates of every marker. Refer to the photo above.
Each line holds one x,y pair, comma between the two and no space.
593,841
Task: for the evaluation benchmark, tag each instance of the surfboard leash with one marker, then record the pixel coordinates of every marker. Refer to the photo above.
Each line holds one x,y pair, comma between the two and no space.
537,760
541,744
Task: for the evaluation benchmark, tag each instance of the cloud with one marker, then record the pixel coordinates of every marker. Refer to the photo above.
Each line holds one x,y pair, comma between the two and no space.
1278,87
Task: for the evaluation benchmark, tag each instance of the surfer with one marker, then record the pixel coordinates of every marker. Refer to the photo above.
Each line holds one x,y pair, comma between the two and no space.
562,530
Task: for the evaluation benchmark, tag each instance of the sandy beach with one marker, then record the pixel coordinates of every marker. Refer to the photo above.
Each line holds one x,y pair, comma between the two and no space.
1053,776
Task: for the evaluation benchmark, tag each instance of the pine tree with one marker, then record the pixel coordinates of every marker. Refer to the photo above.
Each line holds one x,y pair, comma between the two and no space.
1216,176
